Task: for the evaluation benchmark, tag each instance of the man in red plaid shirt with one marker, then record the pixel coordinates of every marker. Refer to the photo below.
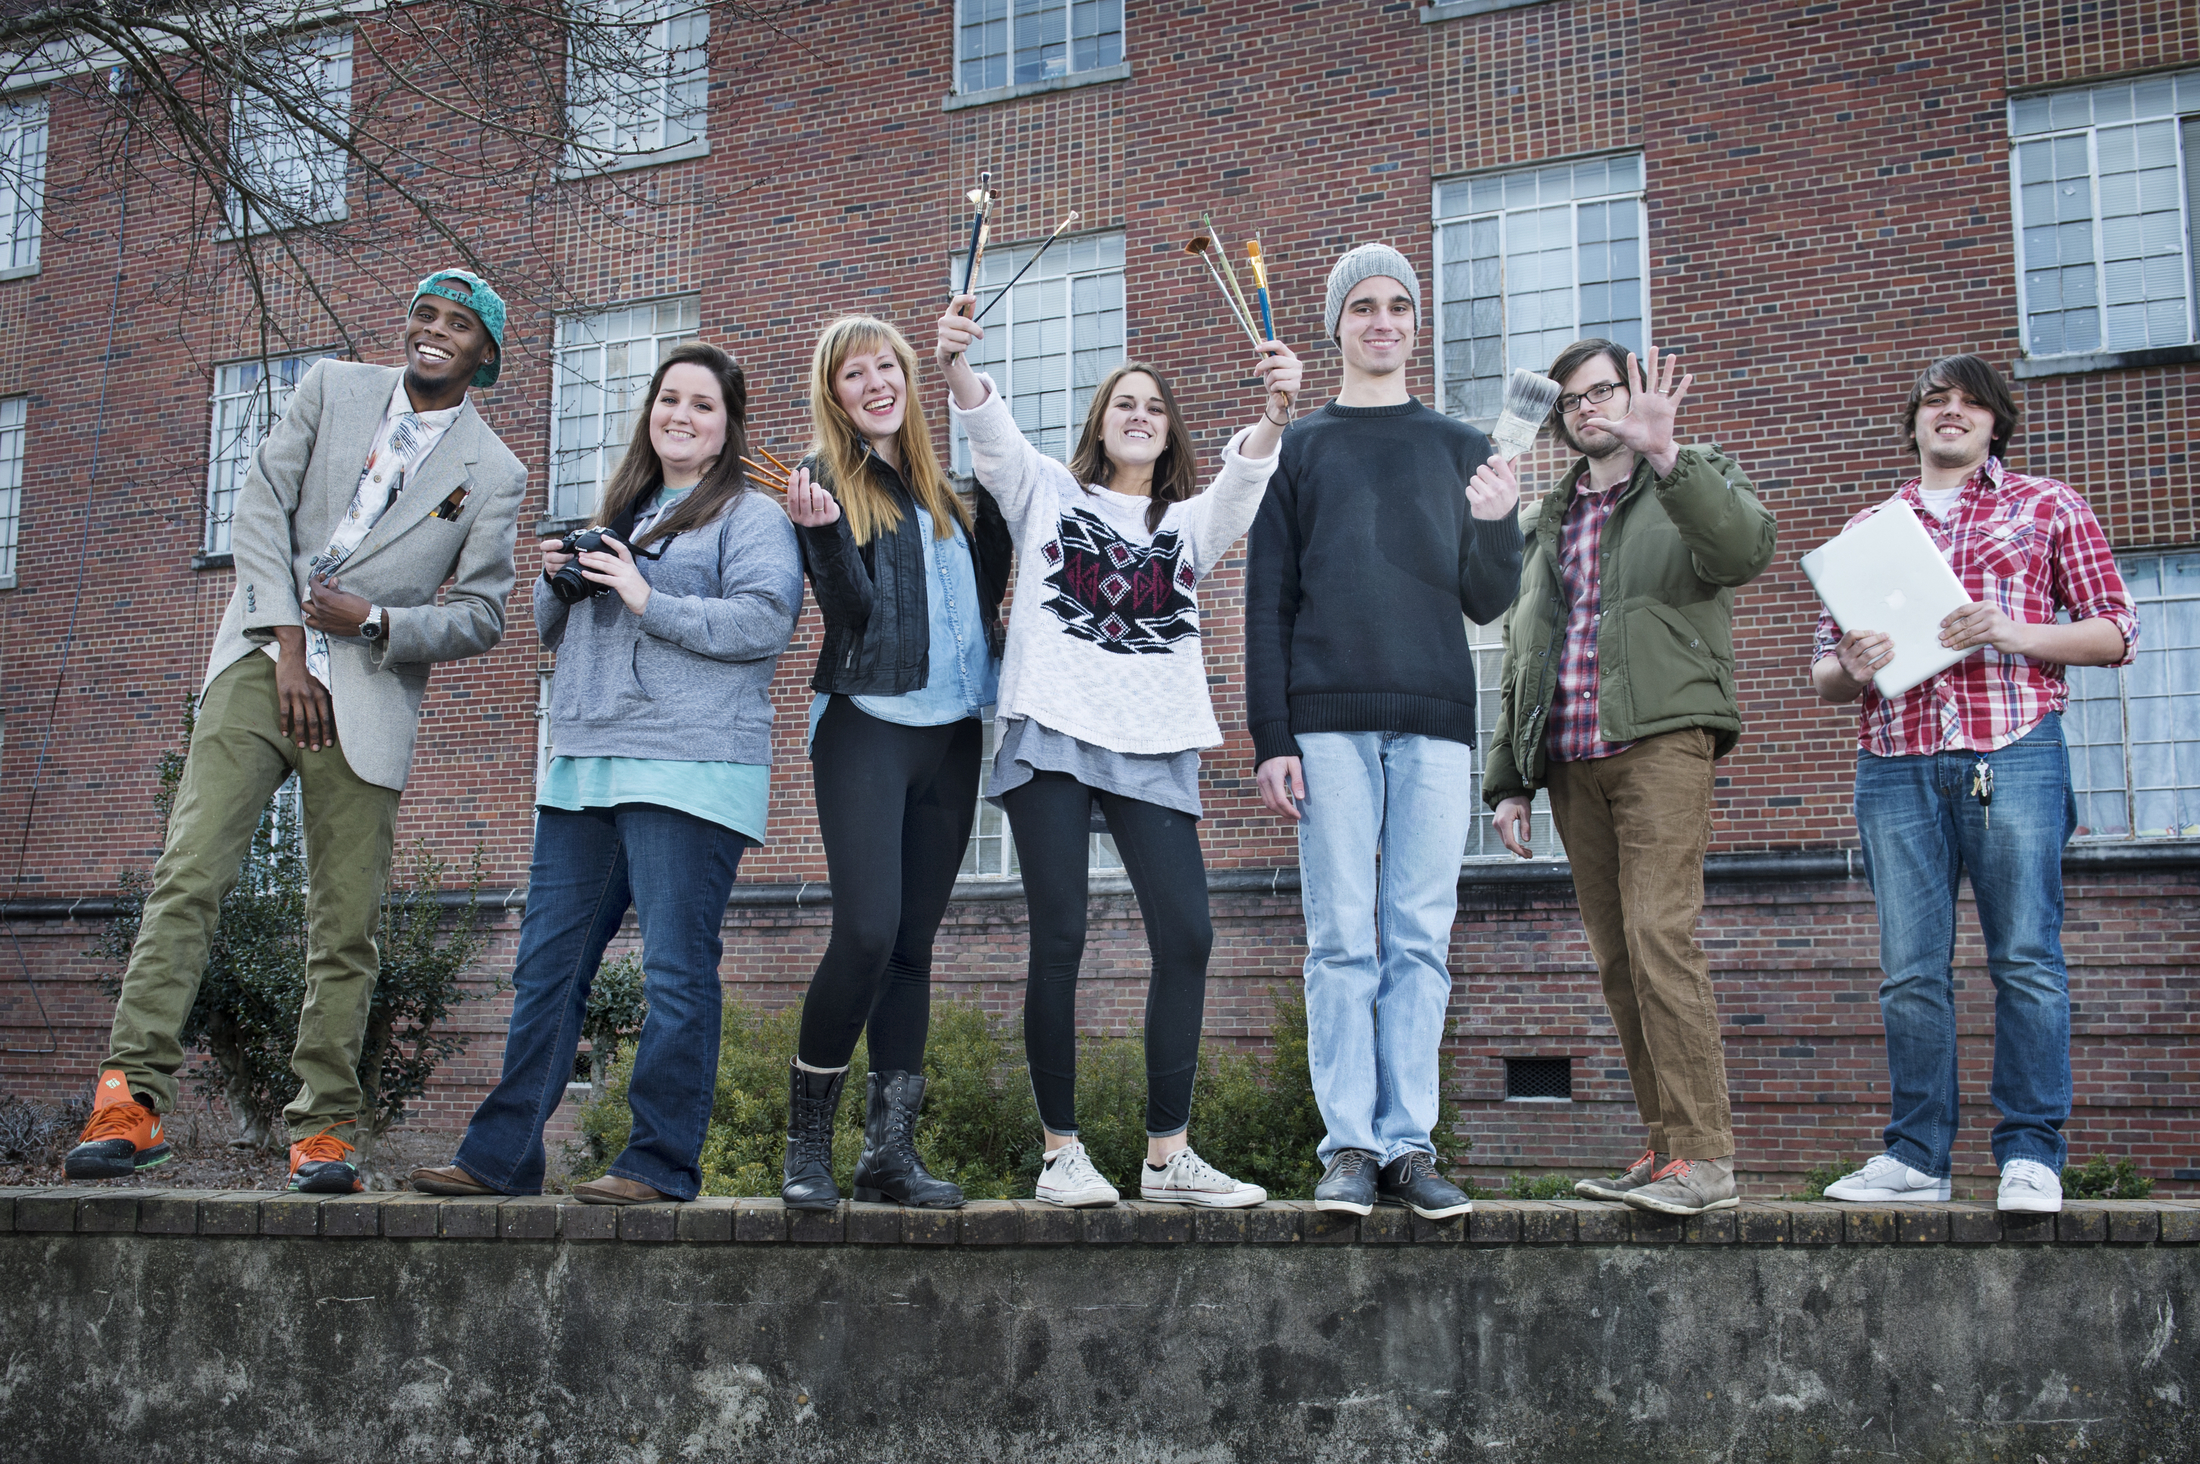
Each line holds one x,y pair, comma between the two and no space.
1968,773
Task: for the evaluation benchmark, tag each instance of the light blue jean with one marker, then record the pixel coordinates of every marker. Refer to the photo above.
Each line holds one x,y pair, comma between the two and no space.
1922,831
1378,934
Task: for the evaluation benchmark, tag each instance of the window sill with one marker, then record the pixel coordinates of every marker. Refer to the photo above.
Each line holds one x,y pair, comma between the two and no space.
1445,10
2032,368
204,560
957,101
694,147
557,528
227,232
19,272
7,581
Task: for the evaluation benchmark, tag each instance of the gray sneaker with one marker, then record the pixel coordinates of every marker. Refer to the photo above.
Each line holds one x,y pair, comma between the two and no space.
1633,1177
1687,1187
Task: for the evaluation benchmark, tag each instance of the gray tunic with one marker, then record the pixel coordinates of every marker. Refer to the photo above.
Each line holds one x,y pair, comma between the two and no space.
1168,779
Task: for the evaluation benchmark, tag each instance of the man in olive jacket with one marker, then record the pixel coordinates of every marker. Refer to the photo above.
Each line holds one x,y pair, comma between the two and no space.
1618,695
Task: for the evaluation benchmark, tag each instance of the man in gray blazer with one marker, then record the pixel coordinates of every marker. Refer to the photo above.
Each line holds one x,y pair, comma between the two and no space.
377,487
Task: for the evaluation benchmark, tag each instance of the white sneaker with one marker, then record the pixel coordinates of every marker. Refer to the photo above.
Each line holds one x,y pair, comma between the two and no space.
1888,1178
2030,1186
1068,1178
1188,1179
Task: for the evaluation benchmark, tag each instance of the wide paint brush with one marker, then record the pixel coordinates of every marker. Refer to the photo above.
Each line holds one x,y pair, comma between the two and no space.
1260,288
982,196
1043,248
1528,401
1229,271
1203,246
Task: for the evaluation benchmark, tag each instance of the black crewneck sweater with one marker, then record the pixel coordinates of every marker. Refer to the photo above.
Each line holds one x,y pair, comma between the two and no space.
1361,573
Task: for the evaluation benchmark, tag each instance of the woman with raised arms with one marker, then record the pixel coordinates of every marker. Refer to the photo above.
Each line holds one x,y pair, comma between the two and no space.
1104,700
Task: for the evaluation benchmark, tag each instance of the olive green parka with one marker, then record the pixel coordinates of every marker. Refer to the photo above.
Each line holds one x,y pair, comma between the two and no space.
1668,562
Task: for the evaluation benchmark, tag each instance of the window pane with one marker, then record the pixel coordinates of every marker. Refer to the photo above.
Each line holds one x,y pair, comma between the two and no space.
14,414
599,367
1052,339
22,181
2134,748
637,78
249,398
288,148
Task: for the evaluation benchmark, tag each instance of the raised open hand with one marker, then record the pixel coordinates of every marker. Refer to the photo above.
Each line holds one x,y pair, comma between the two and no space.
1652,406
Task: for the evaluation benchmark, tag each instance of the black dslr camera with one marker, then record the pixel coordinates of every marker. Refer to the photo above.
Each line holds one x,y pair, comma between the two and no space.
568,584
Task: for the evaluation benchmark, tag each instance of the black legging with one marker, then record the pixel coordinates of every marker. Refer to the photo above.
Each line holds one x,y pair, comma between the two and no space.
1051,816
894,805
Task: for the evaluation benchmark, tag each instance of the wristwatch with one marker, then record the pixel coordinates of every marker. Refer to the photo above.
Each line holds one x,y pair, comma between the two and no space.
371,627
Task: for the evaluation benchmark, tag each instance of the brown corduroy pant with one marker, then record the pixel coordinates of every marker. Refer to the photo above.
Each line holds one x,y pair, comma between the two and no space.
1635,827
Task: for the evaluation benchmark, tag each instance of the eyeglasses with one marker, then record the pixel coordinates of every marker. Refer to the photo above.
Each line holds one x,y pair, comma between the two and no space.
1595,396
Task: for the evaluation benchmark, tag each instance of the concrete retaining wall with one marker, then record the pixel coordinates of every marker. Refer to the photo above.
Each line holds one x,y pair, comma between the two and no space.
154,1327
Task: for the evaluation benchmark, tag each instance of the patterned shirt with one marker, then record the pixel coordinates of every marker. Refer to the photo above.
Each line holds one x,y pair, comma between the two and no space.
2032,547
1573,735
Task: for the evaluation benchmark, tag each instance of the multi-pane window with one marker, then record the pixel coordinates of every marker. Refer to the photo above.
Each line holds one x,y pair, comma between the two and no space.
601,365
2107,180
249,397
22,182
13,415
992,850
2134,758
1488,648
1053,338
1017,42
1527,264
288,150
543,753
637,81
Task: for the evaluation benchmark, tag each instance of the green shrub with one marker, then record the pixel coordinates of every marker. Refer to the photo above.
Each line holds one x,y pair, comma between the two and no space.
1542,1187
1253,1114
616,1010
1815,1182
2098,1179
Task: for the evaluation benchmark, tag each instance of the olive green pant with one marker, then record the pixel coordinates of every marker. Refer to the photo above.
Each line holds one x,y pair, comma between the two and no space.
239,757
1635,827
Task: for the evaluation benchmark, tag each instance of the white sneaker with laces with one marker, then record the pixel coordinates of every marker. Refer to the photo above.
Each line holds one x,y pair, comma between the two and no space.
1188,1179
1888,1178
1068,1178
2029,1186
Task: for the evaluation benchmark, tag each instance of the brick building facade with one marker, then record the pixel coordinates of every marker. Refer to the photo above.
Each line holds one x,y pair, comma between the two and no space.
1809,202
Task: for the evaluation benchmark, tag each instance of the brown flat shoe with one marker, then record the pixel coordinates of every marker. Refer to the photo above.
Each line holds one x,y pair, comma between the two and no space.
612,1190
449,1180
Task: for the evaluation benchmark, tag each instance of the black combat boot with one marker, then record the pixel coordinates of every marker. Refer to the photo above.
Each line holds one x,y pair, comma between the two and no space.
812,1101
889,1168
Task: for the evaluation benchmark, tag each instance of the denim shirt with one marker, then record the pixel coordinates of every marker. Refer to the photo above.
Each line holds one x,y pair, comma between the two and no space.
965,677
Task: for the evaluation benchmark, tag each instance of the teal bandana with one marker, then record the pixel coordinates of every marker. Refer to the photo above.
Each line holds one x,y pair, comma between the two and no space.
484,301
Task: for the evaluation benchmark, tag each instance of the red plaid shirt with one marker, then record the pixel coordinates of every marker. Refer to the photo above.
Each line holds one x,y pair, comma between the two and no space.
1573,733
2032,547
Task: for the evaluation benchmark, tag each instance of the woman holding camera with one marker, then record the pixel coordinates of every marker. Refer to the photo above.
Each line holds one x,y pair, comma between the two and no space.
909,585
668,621
1104,701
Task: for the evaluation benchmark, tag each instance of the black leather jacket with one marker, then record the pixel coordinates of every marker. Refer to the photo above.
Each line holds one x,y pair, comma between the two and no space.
878,629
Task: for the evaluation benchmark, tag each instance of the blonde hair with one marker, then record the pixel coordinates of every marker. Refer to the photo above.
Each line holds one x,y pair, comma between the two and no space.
837,444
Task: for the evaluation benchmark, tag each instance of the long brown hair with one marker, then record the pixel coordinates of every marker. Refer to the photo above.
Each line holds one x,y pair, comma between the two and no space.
1175,475
640,470
841,448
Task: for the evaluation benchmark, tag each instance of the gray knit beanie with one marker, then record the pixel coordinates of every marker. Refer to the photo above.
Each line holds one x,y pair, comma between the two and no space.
1365,263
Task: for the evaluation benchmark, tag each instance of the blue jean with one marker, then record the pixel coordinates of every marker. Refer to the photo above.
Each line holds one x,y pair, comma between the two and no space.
676,870
1378,936
1922,830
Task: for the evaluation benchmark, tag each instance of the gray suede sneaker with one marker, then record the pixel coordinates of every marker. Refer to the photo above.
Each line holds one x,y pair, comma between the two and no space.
1687,1187
1633,1177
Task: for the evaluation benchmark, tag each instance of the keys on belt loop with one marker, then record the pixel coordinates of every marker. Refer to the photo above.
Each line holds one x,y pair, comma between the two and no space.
1982,788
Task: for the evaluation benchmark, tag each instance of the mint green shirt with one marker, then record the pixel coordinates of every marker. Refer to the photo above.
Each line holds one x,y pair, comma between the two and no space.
730,794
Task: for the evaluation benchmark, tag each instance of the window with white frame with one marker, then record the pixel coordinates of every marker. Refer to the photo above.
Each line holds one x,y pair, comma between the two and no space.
249,398
600,366
1017,42
289,150
637,82
22,183
1487,645
2134,757
543,753
14,415
992,850
2108,197
1527,263
1052,339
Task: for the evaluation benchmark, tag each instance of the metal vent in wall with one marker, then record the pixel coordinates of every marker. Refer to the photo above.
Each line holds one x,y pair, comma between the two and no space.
1548,1079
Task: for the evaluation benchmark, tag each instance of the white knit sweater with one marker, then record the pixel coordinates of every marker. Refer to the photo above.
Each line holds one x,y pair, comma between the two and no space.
1103,642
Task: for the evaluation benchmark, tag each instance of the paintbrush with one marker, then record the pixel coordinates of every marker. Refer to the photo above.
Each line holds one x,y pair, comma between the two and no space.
982,196
765,476
1203,246
775,462
1043,248
1528,401
1260,287
1229,270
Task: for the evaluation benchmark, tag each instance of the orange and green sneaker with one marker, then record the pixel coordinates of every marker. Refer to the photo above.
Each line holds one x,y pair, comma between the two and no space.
322,1165
123,1136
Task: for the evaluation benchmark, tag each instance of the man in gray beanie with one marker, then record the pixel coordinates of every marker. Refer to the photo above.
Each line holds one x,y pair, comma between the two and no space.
1386,527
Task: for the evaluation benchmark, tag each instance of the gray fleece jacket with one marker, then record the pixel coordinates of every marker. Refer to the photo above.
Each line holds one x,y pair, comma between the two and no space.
688,679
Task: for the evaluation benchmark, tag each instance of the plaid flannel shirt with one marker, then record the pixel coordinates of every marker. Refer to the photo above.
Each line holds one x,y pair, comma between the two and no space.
2032,547
1573,733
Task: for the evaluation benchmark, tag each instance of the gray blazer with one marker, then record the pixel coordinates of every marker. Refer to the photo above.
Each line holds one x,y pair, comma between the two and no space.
298,489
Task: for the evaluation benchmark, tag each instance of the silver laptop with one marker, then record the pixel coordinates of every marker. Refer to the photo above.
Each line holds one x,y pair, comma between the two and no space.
1886,575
